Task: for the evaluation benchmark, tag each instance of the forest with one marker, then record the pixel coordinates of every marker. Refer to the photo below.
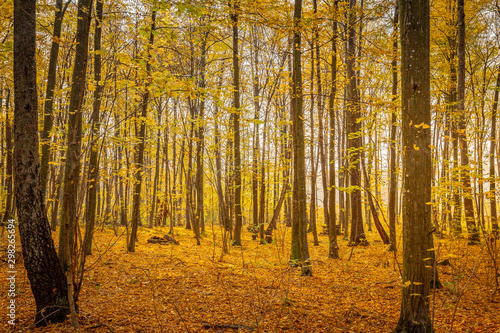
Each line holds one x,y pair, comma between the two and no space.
249,166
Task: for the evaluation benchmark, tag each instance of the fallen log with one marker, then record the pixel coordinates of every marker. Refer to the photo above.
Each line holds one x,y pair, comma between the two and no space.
163,241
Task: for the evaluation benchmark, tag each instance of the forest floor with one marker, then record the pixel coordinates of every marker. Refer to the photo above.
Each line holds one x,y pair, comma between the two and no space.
190,288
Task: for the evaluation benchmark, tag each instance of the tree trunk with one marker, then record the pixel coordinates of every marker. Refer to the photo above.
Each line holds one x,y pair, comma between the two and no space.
200,215
94,147
49,93
69,218
354,142
300,248
456,220
333,251
393,176
314,165
154,205
47,280
139,149
256,134
8,167
417,165
236,127
492,194
472,231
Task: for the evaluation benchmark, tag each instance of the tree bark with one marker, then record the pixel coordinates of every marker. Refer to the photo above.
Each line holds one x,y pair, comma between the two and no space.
393,176
200,214
236,128
9,200
69,218
94,147
472,231
492,194
300,248
47,280
333,251
154,205
139,149
49,93
417,165
354,141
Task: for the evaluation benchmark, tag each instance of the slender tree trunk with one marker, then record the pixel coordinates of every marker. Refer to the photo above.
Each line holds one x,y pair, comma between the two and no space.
472,231
200,214
263,191
332,222
314,165
492,195
49,93
393,176
94,147
47,280
69,218
8,167
256,134
154,205
355,141
300,248
452,109
139,148
236,127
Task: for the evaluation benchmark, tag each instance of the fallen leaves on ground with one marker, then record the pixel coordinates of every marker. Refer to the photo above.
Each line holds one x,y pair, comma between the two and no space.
190,288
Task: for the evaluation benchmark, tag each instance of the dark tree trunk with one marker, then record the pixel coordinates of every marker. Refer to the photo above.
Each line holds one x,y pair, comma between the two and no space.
314,165
393,176
43,268
200,214
417,165
333,251
300,248
49,93
493,200
354,141
69,218
236,127
139,149
94,147
9,200
452,110
154,205
256,138
472,231
263,191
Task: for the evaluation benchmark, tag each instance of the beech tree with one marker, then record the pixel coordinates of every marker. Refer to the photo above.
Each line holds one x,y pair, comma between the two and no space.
300,248
416,119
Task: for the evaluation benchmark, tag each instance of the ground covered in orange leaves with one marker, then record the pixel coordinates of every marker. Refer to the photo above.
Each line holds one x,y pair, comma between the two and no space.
189,288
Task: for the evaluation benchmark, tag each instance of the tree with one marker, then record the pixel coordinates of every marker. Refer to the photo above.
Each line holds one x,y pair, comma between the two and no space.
46,276
493,202
69,219
332,223
49,94
464,153
8,167
139,148
354,133
300,248
416,118
236,128
94,148
393,180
